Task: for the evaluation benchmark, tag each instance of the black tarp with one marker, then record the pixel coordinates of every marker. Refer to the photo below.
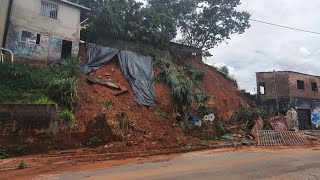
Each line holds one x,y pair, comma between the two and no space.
138,70
97,56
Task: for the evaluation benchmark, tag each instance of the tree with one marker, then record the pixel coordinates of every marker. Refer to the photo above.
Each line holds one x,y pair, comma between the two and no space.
224,70
212,22
203,23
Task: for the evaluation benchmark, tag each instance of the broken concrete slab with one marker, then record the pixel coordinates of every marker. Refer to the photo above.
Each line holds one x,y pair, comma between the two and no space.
279,123
103,81
258,125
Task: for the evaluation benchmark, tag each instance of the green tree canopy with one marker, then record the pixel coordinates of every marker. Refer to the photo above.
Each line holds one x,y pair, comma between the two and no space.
202,23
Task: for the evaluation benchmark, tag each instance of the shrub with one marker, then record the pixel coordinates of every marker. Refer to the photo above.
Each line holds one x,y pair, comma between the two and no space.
94,141
123,121
63,90
62,86
4,152
198,75
22,165
161,113
43,100
69,119
181,87
108,105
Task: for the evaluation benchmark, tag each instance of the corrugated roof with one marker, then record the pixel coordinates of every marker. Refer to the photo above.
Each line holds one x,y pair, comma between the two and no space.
74,4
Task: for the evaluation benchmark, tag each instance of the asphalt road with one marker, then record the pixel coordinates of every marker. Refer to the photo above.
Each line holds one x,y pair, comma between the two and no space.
245,164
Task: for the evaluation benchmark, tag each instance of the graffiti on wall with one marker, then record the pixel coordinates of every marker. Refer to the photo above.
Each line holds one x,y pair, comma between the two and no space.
54,49
24,49
49,47
315,117
75,48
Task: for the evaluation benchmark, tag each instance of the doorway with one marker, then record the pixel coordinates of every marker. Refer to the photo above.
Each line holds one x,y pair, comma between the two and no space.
66,49
304,117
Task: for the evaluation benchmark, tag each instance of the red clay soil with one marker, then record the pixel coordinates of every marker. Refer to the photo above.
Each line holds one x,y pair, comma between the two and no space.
222,90
147,130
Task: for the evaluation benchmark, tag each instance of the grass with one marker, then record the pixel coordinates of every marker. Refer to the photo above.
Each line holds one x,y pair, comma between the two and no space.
123,121
161,113
22,165
29,84
21,83
67,116
24,83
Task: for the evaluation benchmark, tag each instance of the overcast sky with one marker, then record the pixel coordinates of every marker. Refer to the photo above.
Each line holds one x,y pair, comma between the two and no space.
267,48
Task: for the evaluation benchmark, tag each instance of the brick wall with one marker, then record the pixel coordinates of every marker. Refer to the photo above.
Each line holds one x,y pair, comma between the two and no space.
270,79
307,91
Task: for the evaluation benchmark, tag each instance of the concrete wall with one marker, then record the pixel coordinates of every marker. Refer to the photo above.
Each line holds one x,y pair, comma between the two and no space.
28,119
3,17
26,17
26,14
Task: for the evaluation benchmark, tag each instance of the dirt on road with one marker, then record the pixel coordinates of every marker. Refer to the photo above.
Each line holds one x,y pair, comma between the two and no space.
44,167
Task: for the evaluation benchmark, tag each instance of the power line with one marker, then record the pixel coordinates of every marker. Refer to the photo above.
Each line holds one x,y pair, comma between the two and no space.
305,63
286,27
296,66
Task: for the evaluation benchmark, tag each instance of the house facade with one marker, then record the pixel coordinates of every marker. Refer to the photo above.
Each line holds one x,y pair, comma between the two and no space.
4,6
278,91
46,30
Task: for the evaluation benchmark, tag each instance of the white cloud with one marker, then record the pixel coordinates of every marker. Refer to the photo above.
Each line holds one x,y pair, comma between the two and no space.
267,48
304,51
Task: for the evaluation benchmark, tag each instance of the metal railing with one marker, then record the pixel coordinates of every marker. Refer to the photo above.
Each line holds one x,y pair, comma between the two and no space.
2,54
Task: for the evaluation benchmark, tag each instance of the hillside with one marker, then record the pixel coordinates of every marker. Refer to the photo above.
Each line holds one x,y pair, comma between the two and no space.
140,127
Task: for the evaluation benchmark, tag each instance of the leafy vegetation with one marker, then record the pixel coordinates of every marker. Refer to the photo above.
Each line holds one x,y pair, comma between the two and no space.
246,116
22,83
175,77
123,121
161,113
202,23
94,141
12,150
108,105
22,165
25,83
67,116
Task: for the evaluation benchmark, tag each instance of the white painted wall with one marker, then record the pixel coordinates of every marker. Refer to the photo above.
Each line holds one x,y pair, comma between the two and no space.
3,17
26,16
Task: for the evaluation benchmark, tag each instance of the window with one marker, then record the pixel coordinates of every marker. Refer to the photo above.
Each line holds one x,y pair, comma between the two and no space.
300,84
30,37
262,88
49,10
314,86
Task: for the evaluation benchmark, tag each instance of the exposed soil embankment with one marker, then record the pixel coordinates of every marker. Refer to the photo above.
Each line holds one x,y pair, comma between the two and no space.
222,90
148,127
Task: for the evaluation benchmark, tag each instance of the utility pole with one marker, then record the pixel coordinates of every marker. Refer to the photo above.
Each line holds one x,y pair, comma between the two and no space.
276,91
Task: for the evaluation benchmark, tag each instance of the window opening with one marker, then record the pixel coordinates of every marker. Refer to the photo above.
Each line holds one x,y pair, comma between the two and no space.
49,10
300,84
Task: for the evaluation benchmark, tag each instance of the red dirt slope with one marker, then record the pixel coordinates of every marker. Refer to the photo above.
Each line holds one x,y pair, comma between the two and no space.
147,130
223,91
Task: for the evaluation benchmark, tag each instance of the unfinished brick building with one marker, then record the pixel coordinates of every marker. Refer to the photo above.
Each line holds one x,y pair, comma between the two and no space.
278,91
